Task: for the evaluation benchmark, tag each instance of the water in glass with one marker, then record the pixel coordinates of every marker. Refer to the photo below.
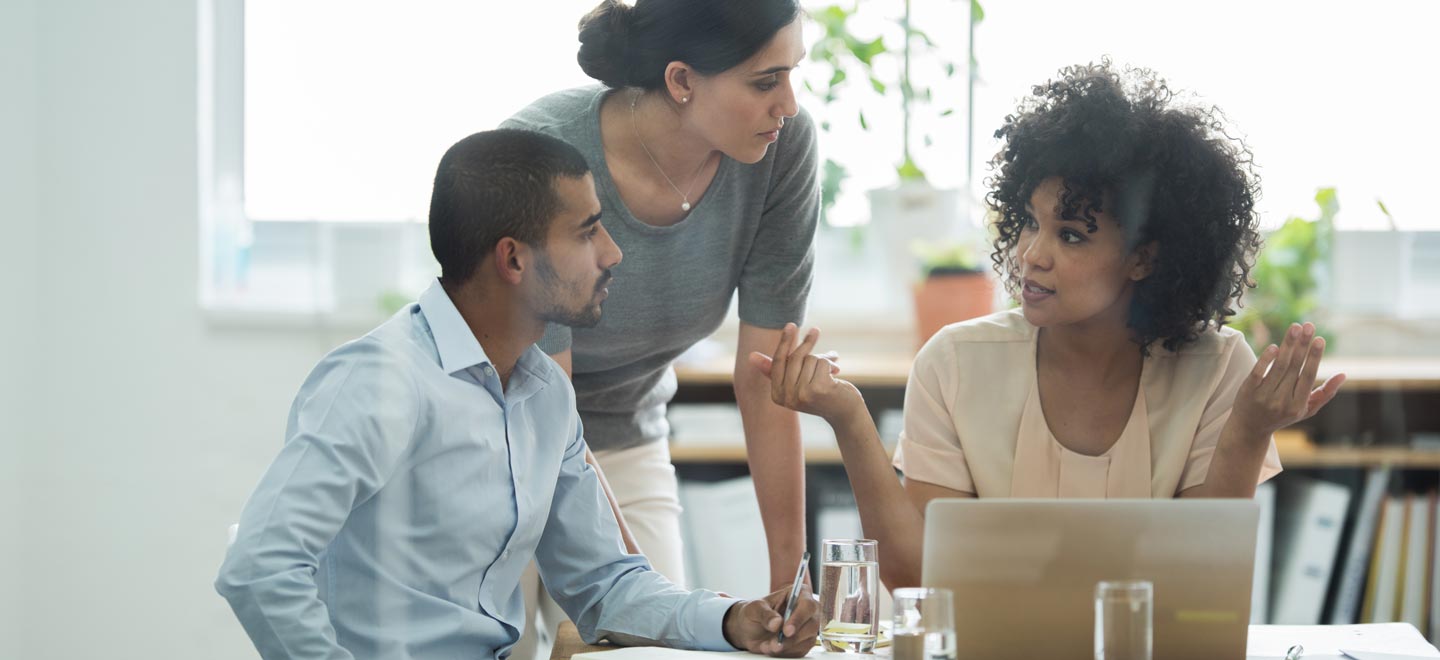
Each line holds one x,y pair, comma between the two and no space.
848,621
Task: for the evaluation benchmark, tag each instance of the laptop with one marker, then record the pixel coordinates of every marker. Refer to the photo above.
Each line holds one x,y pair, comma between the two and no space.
1024,571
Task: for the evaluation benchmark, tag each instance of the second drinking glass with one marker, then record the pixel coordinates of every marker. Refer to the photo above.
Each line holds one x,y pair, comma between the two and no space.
924,624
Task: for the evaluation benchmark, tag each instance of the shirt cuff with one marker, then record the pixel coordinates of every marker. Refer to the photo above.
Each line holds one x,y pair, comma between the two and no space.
710,628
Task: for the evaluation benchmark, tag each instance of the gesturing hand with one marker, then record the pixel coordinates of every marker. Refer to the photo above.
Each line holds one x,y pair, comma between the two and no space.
805,382
754,625
1278,393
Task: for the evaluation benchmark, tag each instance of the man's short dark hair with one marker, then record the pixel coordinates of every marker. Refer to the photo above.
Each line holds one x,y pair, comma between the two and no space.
495,184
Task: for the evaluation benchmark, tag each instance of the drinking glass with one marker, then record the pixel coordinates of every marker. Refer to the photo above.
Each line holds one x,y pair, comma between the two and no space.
1124,619
924,624
849,582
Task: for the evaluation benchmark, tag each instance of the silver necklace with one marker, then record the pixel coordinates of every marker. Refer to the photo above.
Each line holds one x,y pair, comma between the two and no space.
684,196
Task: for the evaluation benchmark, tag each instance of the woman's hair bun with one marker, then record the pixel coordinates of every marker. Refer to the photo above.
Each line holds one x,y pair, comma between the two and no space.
604,43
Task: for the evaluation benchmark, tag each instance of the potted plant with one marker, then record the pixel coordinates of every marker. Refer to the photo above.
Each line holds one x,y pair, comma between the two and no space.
955,287
1286,272
912,209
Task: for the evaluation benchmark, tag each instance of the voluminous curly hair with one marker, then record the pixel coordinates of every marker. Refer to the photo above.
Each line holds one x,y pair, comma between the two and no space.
1170,170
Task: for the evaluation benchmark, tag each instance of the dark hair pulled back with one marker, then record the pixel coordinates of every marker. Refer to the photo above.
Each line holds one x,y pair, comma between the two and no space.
630,46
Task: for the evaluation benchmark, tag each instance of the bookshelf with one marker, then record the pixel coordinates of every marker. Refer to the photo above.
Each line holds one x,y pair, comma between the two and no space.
1327,532
890,370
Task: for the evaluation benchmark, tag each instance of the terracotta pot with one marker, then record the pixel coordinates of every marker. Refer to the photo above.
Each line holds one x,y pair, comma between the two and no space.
950,298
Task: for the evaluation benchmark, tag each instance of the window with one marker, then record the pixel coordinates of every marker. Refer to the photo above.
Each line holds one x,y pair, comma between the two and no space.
329,118
1325,93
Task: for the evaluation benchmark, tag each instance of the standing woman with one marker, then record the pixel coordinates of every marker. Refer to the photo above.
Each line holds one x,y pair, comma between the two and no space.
706,172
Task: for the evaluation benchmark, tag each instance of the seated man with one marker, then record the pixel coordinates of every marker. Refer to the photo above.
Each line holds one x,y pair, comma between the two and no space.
428,462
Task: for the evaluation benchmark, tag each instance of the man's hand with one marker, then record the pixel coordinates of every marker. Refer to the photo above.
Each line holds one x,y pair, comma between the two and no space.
754,625
1278,391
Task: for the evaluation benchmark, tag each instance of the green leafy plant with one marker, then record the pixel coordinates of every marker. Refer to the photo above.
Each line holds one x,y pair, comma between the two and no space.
848,57
1286,273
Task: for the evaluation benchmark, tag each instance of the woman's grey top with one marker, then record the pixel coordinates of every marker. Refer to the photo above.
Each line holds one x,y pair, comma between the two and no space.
752,231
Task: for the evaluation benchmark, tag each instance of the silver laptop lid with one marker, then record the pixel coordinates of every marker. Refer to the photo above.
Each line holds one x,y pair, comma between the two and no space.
1024,571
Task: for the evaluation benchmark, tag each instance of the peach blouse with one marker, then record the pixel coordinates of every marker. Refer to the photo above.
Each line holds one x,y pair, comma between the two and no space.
973,420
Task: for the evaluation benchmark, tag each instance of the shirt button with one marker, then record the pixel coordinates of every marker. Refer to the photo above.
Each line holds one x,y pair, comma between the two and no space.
489,371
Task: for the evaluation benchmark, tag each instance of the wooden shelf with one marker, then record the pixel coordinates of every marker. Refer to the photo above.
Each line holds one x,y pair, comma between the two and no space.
865,370
728,454
1399,457
1291,456
893,369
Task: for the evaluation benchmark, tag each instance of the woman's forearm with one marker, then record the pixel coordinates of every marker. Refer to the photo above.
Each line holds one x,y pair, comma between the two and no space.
777,467
886,513
1235,466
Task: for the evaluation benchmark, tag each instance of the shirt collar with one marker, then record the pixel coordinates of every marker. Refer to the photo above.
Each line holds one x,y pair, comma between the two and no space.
456,343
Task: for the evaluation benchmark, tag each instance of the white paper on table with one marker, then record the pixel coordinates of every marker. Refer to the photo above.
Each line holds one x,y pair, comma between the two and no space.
1372,655
1399,638
662,653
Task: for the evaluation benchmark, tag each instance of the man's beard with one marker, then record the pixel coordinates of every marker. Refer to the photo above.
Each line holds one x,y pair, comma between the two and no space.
552,309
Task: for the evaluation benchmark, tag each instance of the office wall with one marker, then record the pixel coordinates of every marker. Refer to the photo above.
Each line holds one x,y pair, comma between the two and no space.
151,423
19,269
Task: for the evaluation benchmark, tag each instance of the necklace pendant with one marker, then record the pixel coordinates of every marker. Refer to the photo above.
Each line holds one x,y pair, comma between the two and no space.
684,206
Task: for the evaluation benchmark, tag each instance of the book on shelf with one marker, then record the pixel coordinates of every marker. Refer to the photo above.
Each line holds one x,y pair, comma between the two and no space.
1264,542
1383,591
1415,574
1309,517
1355,567
1434,568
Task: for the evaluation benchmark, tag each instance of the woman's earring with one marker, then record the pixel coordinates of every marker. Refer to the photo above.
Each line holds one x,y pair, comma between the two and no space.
684,99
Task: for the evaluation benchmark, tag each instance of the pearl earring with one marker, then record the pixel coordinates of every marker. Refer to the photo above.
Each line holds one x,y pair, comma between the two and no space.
684,99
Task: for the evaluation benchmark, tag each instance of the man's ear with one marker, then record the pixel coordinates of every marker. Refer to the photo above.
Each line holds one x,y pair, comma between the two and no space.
511,260
679,82
1143,260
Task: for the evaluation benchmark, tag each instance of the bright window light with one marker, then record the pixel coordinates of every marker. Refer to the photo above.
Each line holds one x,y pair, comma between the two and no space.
1325,93
350,104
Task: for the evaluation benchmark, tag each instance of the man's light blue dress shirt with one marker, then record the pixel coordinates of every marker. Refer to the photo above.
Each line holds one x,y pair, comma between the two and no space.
412,491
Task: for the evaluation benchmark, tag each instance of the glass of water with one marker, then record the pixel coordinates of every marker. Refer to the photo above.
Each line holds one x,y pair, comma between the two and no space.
849,583
1123,620
924,624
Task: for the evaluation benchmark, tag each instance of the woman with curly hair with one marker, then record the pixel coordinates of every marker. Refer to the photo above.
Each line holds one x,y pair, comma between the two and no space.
1126,230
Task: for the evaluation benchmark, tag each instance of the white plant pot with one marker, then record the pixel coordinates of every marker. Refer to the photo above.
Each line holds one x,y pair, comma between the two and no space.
910,214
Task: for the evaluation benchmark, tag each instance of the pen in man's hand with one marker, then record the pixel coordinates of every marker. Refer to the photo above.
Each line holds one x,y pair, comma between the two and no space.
794,594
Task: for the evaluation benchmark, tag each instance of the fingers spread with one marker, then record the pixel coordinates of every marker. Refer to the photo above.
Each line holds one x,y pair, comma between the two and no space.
1279,377
1323,394
1312,366
1262,364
